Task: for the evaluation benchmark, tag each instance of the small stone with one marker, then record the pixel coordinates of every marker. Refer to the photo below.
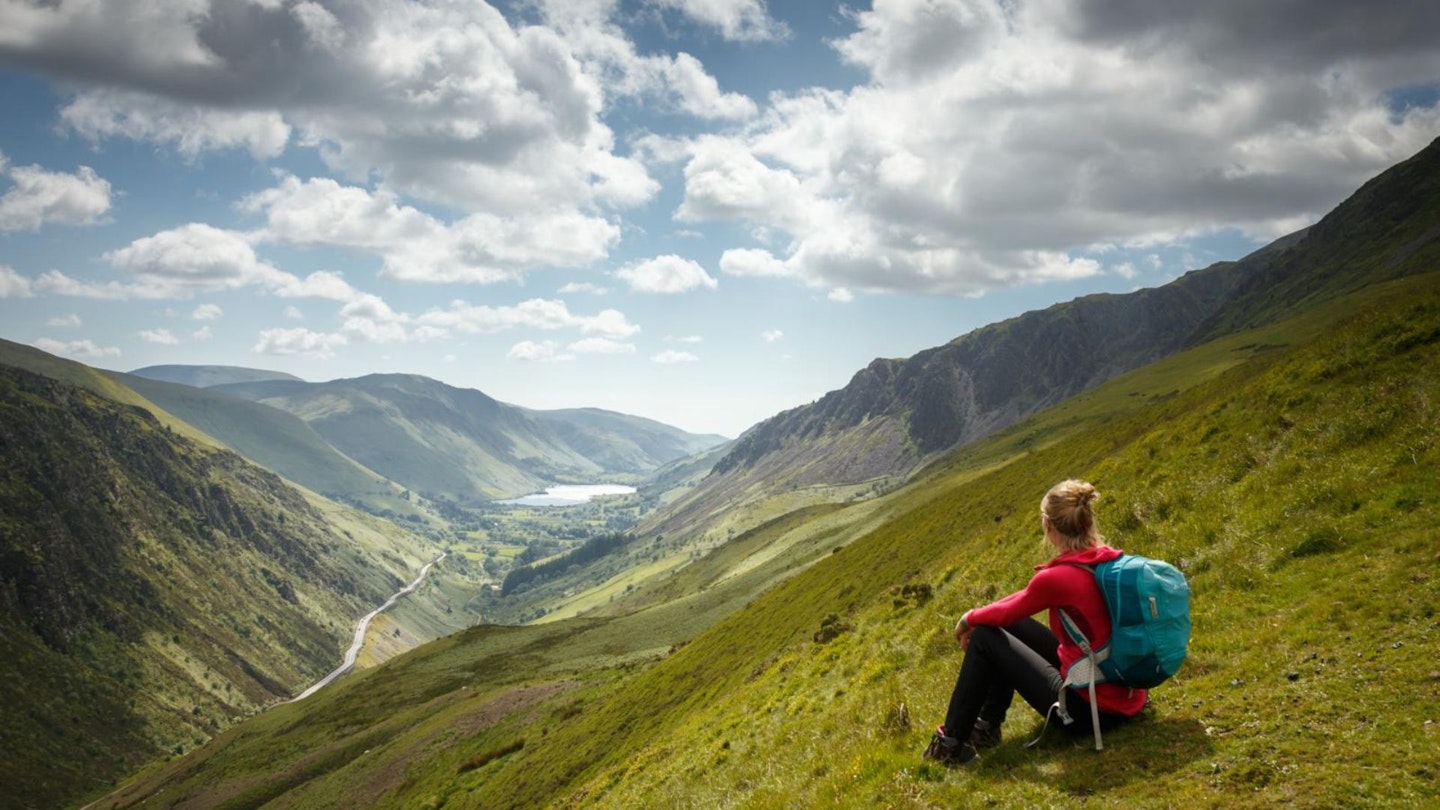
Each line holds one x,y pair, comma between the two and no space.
1294,676
1237,682
1397,645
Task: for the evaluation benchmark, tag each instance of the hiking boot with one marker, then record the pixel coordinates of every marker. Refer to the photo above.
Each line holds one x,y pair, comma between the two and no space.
949,750
985,734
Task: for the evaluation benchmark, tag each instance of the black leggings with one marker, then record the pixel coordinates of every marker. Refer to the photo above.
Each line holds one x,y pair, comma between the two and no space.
1024,658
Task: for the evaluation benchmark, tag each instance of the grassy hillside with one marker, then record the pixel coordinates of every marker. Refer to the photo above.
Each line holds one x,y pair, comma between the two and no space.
155,589
31,359
1295,487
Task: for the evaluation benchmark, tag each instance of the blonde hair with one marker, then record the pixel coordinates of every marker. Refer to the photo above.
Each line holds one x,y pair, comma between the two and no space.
1067,509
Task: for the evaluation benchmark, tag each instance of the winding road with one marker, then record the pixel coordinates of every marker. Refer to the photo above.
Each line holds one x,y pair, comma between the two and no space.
364,625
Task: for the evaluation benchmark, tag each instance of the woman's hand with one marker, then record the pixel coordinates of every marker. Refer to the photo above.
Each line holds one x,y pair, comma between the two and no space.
963,631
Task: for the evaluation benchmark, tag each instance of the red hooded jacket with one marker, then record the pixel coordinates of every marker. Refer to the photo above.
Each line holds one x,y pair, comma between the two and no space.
1058,585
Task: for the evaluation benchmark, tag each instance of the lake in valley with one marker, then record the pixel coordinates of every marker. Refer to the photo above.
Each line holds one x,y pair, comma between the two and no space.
570,494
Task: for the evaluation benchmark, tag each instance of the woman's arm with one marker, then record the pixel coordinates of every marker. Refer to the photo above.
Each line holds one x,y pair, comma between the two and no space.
1036,596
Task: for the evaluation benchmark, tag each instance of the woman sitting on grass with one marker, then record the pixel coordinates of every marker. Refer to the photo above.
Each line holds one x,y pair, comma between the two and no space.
1006,651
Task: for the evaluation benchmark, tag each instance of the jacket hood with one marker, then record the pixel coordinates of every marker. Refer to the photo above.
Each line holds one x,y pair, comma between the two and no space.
1089,556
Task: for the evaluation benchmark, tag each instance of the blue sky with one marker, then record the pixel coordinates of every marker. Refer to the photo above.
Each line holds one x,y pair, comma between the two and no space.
699,211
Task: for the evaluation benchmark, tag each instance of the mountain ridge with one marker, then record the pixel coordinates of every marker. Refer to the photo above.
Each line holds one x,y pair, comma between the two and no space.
895,414
273,438
208,376
459,443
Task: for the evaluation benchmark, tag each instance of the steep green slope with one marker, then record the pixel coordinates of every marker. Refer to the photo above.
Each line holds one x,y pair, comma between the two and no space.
1296,489
153,589
1296,493
271,438
1387,229
31,359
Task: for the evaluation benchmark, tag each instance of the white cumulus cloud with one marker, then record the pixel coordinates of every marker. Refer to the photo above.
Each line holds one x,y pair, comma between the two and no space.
86,349
741,20
671,357
538,352
448,102
995,144
105,113
583,287
751,262
161,336
599,345
192,258
697,92
298,341
666,274
14,285
39,197
536,313
416,246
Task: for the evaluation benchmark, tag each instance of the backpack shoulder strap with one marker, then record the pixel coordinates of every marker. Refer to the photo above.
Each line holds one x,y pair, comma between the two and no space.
1068,623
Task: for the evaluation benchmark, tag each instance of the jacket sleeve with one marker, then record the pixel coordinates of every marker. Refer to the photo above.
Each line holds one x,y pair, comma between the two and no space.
1038,595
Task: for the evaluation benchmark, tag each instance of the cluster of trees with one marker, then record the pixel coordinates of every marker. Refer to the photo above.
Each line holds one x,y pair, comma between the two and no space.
591,550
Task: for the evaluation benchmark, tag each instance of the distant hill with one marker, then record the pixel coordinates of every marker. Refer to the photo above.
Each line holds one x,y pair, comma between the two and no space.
684,473
209,376
460,444
271,437
619,441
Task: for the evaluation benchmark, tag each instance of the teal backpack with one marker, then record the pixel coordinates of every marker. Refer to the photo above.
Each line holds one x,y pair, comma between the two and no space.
1149,604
